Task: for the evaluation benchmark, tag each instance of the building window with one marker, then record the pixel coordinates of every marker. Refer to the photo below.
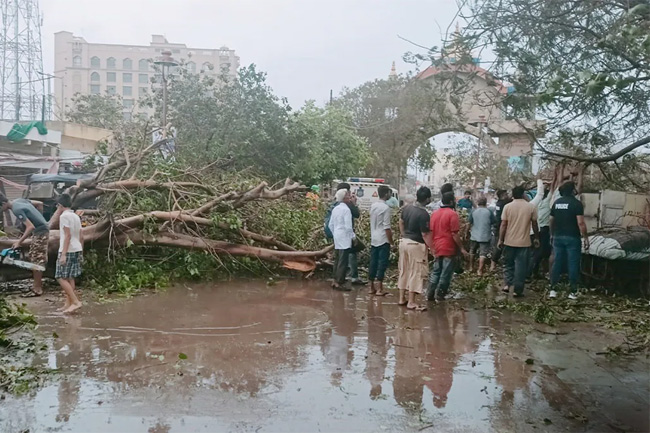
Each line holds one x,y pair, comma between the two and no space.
143,78
126,91
127,77
94,76
142,91
143,65
110,63
191,67
111,90
94,89
95,63
110,77
127,64
207,66
76,61
128,103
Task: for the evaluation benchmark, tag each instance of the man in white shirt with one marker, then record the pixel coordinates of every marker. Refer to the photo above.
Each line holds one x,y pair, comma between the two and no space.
68,264
340,225
381,239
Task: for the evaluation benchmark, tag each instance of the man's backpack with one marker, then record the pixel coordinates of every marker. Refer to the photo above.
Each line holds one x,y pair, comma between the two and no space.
326,222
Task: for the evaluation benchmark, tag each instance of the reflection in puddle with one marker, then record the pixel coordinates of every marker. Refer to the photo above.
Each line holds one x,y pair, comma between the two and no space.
295,357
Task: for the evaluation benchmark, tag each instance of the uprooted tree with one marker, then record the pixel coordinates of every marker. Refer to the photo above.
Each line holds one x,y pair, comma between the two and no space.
145,199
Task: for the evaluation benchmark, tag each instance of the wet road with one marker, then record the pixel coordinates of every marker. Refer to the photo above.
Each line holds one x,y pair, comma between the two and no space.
300,357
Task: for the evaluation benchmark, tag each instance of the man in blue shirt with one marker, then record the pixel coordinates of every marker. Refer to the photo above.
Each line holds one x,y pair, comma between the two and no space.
466,202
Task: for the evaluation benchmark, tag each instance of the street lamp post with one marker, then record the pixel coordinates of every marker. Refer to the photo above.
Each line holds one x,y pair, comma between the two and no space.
165,61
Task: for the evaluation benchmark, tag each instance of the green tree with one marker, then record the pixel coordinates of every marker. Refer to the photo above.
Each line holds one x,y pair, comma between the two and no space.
462,155
584,63
101,111
397,116
242,119
328,147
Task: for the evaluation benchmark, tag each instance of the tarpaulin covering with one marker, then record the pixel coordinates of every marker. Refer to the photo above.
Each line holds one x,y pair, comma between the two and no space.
631,243
20,130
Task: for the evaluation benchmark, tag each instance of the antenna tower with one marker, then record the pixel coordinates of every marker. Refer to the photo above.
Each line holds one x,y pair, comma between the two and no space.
21,61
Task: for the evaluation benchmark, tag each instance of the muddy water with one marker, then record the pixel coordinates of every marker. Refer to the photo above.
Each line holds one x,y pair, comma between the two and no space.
300,357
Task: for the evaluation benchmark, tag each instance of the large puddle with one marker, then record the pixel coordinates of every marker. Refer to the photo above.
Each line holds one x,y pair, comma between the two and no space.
300,357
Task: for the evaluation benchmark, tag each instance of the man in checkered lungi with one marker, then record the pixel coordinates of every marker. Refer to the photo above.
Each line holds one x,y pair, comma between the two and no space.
68,263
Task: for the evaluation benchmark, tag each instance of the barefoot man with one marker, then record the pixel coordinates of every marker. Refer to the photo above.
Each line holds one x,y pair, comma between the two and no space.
381,239
36,226
68,264
413,252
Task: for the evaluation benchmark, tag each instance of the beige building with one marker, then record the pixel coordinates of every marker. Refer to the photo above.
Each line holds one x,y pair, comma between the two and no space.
125,70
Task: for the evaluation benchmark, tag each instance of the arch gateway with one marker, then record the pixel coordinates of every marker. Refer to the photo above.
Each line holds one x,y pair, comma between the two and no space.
478,109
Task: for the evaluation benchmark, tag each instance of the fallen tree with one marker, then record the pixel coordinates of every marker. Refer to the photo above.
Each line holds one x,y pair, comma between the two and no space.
147,200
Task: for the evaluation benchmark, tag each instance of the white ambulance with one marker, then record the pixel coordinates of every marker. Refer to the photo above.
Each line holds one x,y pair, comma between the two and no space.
365,188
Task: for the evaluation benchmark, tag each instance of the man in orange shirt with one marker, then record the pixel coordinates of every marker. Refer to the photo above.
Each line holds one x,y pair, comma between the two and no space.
517,218
444,226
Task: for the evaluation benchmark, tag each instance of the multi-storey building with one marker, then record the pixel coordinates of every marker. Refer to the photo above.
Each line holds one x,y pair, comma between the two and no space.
125,70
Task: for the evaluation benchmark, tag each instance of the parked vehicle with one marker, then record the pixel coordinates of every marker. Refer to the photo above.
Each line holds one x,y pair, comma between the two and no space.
365,188
47,187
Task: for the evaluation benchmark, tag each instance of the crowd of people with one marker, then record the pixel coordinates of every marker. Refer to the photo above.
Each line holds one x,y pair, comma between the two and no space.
526,233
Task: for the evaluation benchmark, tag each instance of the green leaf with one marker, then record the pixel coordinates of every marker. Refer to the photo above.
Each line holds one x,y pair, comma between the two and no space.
585,75
182,356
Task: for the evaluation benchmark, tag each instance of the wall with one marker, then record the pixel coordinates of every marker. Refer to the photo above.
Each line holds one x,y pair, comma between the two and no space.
616,208
81,137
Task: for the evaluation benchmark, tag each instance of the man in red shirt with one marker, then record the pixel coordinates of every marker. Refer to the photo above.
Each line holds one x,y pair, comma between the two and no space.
444,226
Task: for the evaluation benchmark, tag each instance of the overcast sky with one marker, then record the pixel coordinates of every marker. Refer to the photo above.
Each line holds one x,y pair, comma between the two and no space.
307,47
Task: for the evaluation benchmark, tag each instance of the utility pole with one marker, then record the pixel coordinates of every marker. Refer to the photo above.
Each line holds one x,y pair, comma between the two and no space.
478,151
20,58
166,62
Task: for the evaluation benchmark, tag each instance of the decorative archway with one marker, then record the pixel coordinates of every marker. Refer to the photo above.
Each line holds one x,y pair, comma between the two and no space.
479,110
